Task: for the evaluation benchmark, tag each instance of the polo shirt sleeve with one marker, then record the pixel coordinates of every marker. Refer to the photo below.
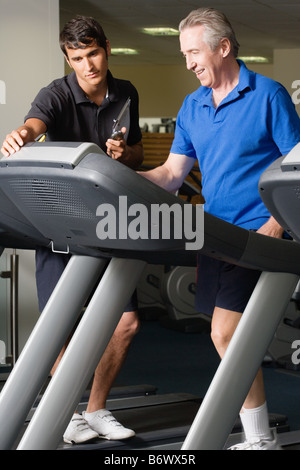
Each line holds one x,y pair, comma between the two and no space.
182,144
44,107
283,121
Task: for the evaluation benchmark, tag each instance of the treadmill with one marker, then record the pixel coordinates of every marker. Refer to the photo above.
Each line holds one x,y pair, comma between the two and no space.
49,197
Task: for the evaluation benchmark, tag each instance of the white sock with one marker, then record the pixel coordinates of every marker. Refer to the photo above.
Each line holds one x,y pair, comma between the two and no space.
255,422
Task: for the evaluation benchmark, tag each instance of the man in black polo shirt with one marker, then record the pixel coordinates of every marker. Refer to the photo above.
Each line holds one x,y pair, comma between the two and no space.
81,107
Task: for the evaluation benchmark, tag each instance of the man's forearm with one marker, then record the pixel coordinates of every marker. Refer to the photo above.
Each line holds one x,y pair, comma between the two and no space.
172,173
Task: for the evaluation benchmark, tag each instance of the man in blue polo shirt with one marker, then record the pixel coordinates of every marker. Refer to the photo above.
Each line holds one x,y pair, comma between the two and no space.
81,107
235,124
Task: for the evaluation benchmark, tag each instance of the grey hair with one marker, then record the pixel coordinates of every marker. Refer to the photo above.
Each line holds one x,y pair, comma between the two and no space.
216,25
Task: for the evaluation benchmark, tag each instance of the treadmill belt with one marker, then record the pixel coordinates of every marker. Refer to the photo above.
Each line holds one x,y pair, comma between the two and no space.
160,422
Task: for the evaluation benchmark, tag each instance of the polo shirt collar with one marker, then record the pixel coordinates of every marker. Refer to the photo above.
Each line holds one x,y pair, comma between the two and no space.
113,91
246,77
246,81
79,95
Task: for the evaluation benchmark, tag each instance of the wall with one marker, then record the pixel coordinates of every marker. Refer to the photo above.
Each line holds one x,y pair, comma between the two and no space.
30,59
30,55
162,88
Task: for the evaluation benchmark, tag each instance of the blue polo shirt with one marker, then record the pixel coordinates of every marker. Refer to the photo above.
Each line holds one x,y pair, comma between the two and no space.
235,142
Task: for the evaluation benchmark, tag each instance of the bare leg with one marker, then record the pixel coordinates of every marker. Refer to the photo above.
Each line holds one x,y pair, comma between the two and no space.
59,358
112,360
224,323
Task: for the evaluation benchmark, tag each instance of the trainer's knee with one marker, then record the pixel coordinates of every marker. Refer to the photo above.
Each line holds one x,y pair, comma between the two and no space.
129,324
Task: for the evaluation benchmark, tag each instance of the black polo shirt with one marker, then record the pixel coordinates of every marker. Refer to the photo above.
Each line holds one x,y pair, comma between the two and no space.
71,117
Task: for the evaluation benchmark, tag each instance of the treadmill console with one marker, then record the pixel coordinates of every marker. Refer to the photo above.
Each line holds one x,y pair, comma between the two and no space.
279,188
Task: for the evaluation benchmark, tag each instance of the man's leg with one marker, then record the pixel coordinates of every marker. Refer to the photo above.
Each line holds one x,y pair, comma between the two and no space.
97,421
112,360
224,323
98,418
254,414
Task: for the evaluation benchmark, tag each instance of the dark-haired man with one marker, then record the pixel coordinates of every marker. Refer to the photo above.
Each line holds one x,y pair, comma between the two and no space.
82,107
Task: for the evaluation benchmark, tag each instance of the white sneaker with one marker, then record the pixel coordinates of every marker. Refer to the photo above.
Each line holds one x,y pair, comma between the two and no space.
107,426
263,444
78,431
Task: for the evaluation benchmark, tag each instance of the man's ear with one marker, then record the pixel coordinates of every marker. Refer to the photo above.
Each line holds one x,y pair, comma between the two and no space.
225,47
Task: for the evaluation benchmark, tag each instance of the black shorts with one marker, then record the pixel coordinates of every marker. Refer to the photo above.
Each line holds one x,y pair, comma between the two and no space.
224,285
49,268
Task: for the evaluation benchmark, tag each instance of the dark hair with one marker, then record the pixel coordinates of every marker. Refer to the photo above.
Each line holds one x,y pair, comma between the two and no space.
216,26
81,32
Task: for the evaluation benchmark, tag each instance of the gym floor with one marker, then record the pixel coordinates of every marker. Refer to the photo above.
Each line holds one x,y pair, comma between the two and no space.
175,362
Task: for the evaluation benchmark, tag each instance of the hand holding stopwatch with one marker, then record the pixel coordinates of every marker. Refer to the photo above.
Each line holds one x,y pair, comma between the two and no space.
117,134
